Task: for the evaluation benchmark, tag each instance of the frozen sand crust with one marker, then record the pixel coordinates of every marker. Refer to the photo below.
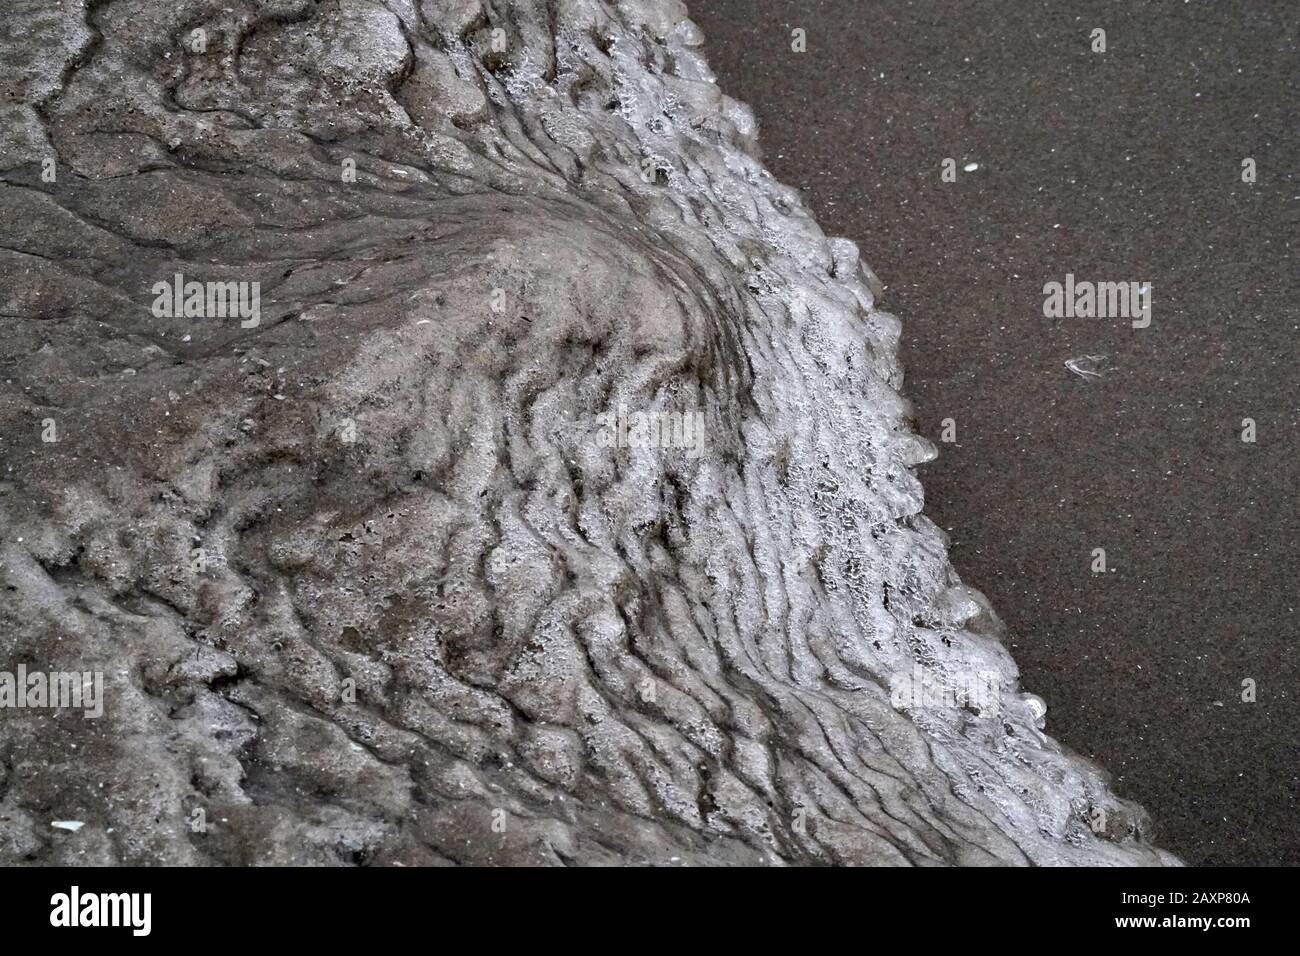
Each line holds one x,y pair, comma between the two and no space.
624,654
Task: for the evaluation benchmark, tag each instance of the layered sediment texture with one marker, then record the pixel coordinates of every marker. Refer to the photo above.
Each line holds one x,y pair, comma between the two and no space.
375,580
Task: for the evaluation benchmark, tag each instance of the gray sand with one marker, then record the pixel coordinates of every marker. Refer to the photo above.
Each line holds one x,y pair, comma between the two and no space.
379,576
1123,165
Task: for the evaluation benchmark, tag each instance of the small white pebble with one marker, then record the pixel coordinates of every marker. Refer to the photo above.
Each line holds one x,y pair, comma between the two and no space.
971,167
73,825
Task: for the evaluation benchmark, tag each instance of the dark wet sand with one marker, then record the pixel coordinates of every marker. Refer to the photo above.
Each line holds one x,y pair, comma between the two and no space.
1116,167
